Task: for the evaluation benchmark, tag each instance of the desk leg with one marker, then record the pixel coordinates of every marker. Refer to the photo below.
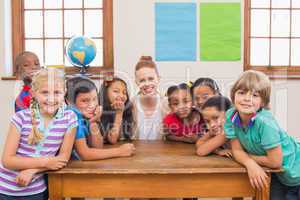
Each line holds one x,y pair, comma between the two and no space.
264,194
55,187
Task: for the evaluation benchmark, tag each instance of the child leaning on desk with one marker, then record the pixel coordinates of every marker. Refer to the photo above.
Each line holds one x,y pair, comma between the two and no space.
184,123
40,138
257,140
82,97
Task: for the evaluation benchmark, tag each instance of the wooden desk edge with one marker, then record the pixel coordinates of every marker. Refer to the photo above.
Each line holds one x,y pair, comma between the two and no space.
155,171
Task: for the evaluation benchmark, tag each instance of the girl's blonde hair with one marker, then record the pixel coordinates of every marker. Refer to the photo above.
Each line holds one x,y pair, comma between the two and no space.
45,75
253,81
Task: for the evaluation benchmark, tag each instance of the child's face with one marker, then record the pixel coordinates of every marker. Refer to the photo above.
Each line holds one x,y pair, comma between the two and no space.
50,96
180,102
29,65
201,94
87,103
214,119
117,93
247,102
147,80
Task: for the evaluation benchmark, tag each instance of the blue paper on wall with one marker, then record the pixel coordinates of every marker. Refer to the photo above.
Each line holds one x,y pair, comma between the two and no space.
175,32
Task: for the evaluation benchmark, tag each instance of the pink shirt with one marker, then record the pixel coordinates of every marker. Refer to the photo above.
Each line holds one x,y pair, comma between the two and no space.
176,126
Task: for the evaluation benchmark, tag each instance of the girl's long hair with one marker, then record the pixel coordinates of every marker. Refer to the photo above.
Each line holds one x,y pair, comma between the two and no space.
108,113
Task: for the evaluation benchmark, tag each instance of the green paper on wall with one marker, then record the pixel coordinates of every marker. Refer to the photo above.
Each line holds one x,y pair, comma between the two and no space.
220,31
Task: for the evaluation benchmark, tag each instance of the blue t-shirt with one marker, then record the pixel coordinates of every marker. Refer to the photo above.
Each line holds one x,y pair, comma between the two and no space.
83,130
264,133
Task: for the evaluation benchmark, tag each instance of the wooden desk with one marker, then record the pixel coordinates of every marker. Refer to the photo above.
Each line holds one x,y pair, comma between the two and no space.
158,169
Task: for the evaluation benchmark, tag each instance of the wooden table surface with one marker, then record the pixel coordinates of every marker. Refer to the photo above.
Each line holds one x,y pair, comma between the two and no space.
158,169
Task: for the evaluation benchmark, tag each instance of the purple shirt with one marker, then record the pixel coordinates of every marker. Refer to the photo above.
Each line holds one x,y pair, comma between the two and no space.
60,125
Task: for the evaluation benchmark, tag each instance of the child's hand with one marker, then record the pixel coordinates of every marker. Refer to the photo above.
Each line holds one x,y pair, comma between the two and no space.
224,152
192,137
98,114
118,105
94,128
126,150
55,163
257,176
25,177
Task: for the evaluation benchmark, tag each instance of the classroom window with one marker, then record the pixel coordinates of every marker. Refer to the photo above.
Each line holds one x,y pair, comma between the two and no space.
272,37
45,26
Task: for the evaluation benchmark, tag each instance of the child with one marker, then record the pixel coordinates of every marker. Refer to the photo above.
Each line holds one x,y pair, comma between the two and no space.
148,104
27,63
257,140
40,138
184,124
117,121
213,112
83,98
203,89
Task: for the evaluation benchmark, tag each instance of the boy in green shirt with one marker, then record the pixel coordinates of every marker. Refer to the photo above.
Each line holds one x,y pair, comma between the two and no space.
257,140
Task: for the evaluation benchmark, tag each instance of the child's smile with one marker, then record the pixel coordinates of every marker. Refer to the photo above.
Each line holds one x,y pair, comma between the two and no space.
117,94
181,103
49,97
87,103
247,102
201,94
214,119
30,65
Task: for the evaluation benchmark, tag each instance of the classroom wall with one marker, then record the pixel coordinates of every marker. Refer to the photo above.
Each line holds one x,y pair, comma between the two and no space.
6,87
133,37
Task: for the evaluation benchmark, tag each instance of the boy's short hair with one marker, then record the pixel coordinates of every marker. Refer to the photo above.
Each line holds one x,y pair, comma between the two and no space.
254,81
77,85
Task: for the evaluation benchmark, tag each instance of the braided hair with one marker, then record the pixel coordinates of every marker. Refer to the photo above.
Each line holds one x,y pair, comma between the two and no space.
43,76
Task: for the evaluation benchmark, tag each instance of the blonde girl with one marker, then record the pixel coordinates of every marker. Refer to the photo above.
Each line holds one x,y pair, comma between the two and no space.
39,138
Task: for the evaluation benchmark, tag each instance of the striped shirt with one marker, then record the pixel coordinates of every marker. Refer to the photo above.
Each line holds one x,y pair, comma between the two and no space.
61,124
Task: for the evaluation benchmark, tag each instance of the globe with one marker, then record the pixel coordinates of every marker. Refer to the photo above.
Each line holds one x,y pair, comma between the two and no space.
80,51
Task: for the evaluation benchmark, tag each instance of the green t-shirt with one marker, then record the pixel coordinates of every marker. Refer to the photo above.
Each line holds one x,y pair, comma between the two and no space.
264,133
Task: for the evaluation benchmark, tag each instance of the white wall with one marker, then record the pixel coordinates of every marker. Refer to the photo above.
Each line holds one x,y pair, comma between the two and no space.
6,87
134,36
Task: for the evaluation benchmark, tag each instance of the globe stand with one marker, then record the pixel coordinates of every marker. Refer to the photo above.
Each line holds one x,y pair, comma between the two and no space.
83,71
